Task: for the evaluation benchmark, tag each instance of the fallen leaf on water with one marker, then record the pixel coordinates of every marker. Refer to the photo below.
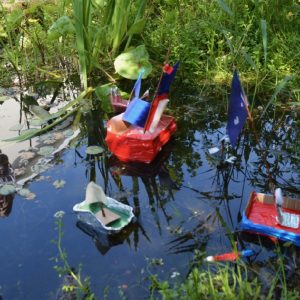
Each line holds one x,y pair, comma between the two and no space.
94,150
45,151
59,183
7,189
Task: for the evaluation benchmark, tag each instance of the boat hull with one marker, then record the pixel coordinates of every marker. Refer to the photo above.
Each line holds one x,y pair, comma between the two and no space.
133,144
260,215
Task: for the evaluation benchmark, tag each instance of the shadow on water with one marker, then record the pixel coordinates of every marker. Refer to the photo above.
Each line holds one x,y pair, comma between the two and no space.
186,200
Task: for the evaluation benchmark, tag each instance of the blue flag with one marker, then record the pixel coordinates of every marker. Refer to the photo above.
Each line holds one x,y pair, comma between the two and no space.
137,85
167,78
237,110
137,110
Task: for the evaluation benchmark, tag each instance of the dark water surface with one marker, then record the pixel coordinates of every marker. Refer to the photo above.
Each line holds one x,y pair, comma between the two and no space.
185,201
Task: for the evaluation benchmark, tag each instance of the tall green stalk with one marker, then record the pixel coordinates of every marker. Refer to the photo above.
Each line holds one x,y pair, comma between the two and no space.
82,10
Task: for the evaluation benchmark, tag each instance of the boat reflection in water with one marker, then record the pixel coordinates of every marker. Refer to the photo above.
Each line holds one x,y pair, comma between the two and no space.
104,241
140,169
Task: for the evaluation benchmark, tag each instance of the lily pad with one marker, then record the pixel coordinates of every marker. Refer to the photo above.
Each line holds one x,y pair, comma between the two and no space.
130,63
39,168
24,192
37,122
68,132
7,189
45,151
39,112
27,155
94,150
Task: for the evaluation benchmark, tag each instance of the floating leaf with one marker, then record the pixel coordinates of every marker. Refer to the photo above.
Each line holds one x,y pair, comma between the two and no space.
45,151
39,168
68,132
28,155
58,136
7,189
94,150
59,184
49,141
130,63
24,192
37,122
16,127
39,111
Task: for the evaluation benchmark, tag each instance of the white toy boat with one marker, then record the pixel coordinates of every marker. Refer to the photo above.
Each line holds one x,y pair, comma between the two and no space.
103,212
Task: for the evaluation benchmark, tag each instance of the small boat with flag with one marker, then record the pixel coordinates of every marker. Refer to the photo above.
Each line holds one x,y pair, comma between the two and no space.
102,212
142,130
274,216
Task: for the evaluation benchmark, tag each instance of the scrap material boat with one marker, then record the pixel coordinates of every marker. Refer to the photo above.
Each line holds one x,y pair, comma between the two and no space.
103,212
142,130
261,217
130,143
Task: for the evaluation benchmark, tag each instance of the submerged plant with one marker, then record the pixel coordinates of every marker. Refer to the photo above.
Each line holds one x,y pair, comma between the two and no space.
73,283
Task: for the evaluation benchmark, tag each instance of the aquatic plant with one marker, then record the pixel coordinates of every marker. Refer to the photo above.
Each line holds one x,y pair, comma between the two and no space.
75,285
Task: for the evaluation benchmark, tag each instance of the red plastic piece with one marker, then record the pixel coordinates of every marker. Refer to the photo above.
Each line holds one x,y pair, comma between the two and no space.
130,143
265,213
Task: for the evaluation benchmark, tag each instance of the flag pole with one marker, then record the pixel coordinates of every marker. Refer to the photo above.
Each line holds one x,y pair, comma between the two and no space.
157,87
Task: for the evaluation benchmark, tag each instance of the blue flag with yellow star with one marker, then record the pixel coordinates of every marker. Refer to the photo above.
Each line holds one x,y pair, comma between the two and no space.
237,109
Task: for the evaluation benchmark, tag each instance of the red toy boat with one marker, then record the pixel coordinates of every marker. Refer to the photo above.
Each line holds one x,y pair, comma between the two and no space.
142,130
261,217
130,143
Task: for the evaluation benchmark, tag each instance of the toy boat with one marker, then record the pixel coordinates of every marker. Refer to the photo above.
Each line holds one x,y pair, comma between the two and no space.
142,130
130,143
102,212
261,217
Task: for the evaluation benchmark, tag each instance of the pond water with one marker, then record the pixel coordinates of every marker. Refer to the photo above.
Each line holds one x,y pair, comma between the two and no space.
186,200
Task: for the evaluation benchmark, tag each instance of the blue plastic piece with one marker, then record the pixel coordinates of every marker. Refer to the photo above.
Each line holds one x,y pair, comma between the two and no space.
137,112
280,234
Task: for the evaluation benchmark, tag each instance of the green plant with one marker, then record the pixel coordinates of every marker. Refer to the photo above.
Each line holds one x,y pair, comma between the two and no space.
78,287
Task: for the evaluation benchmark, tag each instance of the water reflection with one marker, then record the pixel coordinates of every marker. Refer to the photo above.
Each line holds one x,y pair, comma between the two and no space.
6,177
103,241
6,203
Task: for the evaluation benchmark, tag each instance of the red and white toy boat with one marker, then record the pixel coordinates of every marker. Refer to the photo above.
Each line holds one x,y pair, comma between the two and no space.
130,143
141,132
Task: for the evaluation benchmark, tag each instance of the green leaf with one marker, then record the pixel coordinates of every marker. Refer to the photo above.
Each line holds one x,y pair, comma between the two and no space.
25,135
61,27
130,63
39,112
7,189
264,37
137,27
279,87
94,150
225,7
103,94
45,151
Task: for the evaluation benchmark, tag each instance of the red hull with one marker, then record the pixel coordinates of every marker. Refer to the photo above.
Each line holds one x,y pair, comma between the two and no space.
133,144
